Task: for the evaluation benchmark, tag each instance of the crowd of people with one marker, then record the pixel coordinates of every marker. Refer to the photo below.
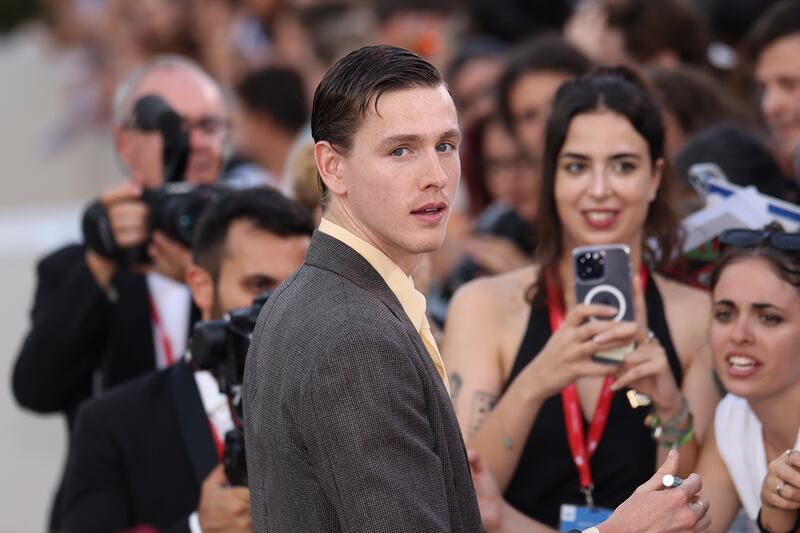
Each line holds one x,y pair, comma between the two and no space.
568,124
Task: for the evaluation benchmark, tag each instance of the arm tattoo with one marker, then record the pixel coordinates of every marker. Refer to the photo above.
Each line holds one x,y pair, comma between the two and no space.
455,386
482,405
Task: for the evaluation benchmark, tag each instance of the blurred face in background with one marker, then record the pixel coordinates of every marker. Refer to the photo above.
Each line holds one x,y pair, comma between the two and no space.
473,89
778,76
511,176
254,261
529,101
199,103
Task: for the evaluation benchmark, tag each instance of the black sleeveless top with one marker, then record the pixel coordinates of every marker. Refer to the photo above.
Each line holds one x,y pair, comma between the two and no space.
625,458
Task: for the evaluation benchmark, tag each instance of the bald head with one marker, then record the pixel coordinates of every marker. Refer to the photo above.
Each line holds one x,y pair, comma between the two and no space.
195,96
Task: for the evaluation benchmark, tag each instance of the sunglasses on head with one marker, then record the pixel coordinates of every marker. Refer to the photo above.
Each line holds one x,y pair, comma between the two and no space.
748,238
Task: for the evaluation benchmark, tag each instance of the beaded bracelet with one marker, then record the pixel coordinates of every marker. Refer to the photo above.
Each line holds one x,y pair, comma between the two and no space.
676,431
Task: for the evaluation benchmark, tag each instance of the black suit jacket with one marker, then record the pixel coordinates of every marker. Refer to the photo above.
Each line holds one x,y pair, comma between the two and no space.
348,425
77,332
139,456
80,342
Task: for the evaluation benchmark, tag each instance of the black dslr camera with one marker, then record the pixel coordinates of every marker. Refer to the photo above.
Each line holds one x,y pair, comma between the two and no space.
220,346
174,208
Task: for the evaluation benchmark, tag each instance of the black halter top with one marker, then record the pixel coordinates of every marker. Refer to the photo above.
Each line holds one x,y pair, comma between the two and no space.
625,458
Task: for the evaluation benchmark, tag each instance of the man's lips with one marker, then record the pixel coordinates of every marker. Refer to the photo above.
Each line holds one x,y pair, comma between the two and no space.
432,212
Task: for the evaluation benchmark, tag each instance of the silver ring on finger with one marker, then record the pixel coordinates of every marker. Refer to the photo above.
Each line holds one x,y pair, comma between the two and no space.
779,488
697,500
787,456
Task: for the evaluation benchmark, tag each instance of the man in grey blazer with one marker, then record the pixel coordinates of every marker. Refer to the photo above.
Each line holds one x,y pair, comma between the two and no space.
349,426
349,423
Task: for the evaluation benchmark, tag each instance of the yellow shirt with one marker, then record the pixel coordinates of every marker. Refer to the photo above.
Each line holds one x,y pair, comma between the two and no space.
412,301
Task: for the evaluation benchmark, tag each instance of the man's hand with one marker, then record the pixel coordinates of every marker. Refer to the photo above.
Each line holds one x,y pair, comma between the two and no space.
222,508
127,214
654,509
170,258
127,217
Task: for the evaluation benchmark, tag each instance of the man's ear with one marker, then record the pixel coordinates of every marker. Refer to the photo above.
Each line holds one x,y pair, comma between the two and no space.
202,286
329,166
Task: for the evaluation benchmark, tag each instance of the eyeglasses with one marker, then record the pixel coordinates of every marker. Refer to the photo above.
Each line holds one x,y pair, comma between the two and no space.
210,126
748,238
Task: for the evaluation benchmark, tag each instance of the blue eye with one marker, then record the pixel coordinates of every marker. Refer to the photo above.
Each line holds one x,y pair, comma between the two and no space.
399,152
445,147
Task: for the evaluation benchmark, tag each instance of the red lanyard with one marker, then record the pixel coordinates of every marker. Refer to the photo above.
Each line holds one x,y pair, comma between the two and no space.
582,450
166,345
218,444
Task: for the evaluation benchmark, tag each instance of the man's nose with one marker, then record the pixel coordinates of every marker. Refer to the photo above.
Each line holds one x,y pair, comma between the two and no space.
436,172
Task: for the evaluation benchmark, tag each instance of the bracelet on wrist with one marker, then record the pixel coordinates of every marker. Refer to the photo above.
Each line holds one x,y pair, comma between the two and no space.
673,432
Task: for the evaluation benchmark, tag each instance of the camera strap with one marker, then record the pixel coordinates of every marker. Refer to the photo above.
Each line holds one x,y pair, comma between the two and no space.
580,448
218,443
163,339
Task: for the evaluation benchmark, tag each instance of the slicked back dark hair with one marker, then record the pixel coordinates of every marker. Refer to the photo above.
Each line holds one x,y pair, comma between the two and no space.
544,53
356,82
267,209
780,20
618,90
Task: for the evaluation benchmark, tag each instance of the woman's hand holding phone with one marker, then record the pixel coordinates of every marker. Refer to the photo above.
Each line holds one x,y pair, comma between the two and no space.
568,353
647,369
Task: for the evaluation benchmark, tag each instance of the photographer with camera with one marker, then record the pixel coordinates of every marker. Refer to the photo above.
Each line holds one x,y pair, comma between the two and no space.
99,320
148,452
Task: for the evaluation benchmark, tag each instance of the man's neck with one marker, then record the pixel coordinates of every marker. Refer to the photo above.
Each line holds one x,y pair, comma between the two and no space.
342,217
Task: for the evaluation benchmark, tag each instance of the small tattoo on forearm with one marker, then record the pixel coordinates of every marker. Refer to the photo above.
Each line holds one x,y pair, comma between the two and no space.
455,386
482,405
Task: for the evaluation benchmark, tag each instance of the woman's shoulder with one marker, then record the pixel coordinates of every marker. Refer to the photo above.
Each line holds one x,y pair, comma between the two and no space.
687,311
678,294
506,291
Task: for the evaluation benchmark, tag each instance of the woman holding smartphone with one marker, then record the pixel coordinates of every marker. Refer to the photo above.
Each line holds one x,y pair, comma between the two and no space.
554,426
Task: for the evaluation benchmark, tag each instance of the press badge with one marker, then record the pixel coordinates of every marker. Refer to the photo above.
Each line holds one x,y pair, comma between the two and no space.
581,517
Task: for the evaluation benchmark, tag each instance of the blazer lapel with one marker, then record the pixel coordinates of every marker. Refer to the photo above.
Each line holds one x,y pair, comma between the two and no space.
332,254
193,422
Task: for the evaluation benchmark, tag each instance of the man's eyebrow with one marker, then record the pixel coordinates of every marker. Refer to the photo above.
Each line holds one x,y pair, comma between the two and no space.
455,132
402,138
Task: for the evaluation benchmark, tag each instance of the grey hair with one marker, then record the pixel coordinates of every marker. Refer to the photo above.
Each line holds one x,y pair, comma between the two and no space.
122,102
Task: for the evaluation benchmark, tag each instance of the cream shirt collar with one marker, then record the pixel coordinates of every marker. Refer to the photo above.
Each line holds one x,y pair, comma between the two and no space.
412,301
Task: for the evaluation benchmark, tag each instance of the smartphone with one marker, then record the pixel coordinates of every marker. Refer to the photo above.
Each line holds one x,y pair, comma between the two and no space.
603,275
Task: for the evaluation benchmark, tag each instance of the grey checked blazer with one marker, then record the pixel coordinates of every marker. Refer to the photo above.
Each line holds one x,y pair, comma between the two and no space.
348,426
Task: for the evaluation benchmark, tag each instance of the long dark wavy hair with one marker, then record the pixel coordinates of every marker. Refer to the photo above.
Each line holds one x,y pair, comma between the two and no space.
619,90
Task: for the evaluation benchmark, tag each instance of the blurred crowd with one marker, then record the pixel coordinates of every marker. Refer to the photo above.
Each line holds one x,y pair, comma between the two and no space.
726,93
502,61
